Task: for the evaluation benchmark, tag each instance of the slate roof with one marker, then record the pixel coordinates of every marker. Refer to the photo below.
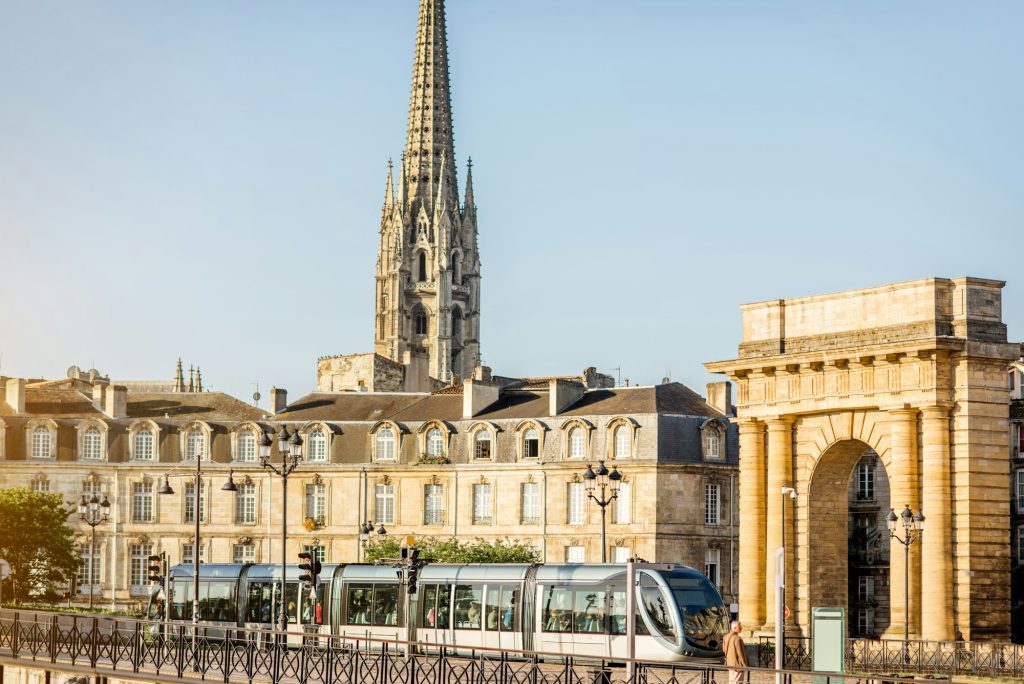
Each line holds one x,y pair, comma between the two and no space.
44,401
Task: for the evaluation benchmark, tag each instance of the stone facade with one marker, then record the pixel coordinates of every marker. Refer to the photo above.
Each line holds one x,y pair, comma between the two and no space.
1016,385
914,371
427,298
482,459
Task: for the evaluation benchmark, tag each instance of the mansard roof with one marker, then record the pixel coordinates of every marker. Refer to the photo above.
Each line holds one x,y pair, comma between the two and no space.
43,401
513,403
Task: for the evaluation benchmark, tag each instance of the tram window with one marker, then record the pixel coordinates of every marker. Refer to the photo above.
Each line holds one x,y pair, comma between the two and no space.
588,616
429,606
468,600
657,605
293,601
557,609
385,604
181,600
500,610
217,602
617,614
360,599
444,606
493,607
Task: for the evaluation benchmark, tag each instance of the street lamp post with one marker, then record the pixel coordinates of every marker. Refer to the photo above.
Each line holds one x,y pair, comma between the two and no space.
913,526
608,485
289,445
166,489
93,512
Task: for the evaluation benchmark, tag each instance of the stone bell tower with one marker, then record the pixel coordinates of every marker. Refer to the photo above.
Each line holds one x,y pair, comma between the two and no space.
427,309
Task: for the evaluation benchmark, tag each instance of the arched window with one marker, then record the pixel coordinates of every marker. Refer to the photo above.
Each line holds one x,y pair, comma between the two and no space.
92,444
482,444
419,322
531,443
385,442
317,445
714,444
577,443
622,442
422,270
457,325
41,443
195,445
435,442
247,445
143,445
456,269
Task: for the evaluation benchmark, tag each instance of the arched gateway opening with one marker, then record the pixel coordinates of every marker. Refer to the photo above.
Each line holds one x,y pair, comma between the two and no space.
848,499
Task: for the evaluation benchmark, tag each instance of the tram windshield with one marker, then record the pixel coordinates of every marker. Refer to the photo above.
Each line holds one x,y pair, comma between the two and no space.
705,618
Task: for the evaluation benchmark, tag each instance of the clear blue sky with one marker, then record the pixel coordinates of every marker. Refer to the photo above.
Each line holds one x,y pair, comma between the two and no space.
204,178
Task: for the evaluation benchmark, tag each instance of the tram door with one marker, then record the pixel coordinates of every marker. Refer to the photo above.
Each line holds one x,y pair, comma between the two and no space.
501,619
588,615
435,614
555,611
468,615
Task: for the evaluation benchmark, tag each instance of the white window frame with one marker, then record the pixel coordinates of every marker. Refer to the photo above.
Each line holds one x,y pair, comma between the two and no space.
143,444
620,554
529,495
866,481
865,621
1020,545
316,502
316,445
195,445
246,446
189,503
42,442
91,444
245,504
482,498
138,568
526,437
712,503
575,554
576,504
865,588
243,553
480,438
433,442
384,503
90,569
143,509
577,443
433,504
622,440
1019,475
713,566
385,444
622,512
188,549
41,485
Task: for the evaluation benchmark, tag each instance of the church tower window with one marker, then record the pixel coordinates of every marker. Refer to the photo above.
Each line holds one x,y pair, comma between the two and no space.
422,270
419,322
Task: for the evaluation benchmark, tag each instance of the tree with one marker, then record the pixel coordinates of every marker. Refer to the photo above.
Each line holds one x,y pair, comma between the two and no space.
37,542
454,551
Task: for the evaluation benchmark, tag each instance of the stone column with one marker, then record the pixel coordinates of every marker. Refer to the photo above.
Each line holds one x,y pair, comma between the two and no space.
904,488
779,475
752,523
936,542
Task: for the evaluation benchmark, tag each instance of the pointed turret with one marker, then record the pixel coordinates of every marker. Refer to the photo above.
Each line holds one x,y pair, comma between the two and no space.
199,380
429,132
469,206
389,193
179,378
191,378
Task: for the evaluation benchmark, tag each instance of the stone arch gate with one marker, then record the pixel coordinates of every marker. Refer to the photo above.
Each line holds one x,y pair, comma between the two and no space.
915,371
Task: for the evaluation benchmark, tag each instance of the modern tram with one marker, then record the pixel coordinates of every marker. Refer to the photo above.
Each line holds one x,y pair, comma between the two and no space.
577,610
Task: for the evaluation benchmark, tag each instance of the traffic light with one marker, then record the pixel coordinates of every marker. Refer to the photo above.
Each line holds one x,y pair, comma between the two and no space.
156,569
312,566
414,568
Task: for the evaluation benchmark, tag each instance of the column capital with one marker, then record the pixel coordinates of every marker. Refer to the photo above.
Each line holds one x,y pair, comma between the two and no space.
780,423
939,409
749,424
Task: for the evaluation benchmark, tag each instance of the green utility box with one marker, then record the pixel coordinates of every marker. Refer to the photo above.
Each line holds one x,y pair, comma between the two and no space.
828,641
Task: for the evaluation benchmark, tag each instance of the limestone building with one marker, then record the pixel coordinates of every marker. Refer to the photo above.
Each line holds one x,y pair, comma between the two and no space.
1016,383
914,373
480,459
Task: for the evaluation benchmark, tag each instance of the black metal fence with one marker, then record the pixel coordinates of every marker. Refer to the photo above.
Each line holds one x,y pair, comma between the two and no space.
117,646
912,657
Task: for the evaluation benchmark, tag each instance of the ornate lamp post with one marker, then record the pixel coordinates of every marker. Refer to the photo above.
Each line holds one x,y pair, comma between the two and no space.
913,526
166,489
607,483
93,512
289,445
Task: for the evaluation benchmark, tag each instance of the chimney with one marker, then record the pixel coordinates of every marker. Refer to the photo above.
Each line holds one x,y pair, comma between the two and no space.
278,399
563,394
16,394
720,397
117,401
98,393
478,395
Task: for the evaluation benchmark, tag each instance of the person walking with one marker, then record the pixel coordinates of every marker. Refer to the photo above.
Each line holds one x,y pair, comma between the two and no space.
735,653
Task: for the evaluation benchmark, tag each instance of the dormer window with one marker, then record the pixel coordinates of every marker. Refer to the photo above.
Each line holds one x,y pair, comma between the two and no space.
92,444
622,438
195,445
713,439
531,443
714,446
316,445
482,445
384,444
435,442
247,446
577,443
143,445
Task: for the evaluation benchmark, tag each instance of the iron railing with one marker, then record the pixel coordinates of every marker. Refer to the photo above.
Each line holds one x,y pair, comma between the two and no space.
119,646
995,659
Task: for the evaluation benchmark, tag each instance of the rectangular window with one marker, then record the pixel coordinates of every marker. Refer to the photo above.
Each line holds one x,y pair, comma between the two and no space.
245,504
1020,490
469,601
531,443
500,612
138,568
866,482
713,566
575,554
866,621
319,551
89,570
41,443
621,514
865,588
620,554
142,502
712,504
577,502
1018,444
1020,545
144,445
482,445
530,503
186,555
243,553
316,502
41,486
384,504
190,503
91,488
482,504
433,504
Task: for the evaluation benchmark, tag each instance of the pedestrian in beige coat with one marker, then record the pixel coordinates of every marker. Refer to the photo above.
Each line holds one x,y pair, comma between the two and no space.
735,653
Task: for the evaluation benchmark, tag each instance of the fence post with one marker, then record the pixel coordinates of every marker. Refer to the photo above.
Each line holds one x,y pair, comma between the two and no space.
53,639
